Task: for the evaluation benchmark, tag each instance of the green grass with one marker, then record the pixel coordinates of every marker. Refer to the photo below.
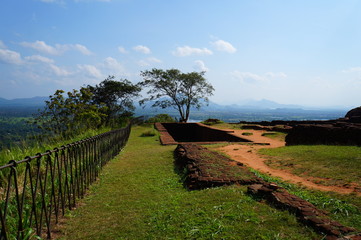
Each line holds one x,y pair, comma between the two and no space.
275,135
334,164
140,196
19,152
247,134
345,209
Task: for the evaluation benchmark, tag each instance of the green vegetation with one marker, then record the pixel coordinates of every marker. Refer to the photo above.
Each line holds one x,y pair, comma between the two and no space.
247,134
212,121
330,165
343,208
161,118
88,108
275,135
140,196
20,151
172,88
14,131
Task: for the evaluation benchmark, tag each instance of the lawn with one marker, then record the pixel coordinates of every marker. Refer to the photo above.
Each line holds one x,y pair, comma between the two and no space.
140,196
330,165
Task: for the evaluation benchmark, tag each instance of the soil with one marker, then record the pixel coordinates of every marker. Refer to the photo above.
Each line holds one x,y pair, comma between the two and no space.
247,154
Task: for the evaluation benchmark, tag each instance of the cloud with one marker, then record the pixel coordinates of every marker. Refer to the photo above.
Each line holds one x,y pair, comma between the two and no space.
41,46
224,46
82,49
248,77
142,49
10,57
59,49
122,50
90,70
113,66
148,61
2,45
38,58
61,72
200,66
187,51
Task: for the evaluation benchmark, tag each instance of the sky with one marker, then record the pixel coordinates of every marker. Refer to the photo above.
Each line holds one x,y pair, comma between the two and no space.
302,52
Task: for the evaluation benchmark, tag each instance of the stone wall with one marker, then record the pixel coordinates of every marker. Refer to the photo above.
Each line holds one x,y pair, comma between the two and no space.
331,134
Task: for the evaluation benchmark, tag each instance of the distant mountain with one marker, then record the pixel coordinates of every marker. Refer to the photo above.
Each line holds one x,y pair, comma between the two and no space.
23,102
250,110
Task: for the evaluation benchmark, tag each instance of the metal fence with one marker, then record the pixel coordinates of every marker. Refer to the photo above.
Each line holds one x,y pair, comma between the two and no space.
36,191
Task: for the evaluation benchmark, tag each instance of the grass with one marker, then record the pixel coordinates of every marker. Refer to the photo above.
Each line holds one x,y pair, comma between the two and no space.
247,134
345,209
140,196
329,165
19,152
275,135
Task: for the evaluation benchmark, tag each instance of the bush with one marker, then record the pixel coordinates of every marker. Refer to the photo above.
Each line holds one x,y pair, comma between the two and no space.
161,118
212,121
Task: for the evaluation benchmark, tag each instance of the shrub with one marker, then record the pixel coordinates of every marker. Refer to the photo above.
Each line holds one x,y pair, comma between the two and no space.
161,118
212,121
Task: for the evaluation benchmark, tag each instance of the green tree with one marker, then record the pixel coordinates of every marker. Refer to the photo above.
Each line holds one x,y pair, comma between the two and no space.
117,96
71,114
172,88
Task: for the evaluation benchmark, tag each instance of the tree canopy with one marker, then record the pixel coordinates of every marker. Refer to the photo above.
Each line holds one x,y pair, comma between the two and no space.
90,107
172,88
71,114
117,96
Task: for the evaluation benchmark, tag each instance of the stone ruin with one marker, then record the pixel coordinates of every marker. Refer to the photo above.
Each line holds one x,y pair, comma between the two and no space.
205,169
343,131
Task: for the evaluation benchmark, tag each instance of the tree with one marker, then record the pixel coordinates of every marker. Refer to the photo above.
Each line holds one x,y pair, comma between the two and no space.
117,96
70,115
172,88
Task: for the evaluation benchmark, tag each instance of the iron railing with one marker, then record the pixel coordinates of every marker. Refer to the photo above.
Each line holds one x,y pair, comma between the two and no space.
36,191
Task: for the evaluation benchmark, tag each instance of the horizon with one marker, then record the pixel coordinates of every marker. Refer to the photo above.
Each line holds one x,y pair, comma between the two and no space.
302,53
247,104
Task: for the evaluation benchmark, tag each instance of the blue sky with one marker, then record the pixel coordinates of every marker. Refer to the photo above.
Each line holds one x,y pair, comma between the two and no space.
296,52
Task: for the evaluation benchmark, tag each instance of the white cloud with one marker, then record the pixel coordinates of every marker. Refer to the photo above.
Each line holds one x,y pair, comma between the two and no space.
122,50
248,77
59,49
61,72
148,61
224,46
38,58
82,49
2,45
90,70
187,51
142,49
113,67
41,46
10,57
200,66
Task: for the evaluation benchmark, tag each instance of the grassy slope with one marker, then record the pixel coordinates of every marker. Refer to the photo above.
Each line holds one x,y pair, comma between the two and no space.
337,164
328,165
140,196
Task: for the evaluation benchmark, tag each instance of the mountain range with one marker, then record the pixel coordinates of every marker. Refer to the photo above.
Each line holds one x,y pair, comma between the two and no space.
248,110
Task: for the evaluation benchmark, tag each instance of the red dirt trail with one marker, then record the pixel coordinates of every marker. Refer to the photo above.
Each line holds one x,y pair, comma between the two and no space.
247,154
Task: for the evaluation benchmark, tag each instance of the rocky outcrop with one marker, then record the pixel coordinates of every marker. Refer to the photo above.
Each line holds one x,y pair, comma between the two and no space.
354,115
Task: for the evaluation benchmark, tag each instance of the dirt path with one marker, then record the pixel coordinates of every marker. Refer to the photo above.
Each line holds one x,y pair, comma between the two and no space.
247,154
